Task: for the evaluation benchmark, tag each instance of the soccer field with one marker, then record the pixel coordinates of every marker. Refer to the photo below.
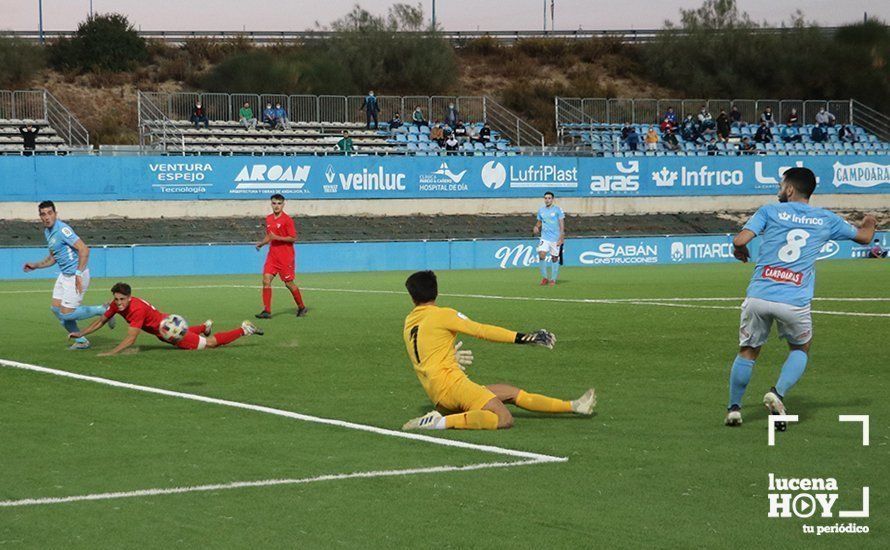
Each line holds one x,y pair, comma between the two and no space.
655,467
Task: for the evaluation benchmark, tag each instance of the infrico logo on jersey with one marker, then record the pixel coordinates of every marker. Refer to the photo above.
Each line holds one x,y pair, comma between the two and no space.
700,251
861,174
804,220
626,181
773,181
618,254
782,275
379,180
521,255
697,178
262,178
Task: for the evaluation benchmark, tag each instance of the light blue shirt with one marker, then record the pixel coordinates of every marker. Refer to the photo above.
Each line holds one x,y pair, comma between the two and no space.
549,218
793,235
61,238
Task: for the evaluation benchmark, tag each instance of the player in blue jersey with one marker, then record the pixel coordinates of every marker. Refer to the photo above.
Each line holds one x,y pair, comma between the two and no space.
551,227
781,288
71,254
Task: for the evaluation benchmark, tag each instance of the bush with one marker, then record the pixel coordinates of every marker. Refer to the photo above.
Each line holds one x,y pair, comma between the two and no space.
19,61
103,42
254,72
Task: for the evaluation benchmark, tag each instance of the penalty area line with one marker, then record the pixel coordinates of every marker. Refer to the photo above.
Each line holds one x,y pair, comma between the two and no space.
264,483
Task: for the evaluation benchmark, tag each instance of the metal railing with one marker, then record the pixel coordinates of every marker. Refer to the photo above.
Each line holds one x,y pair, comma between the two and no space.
156,131
580,112
41,105
627,36
336,109
871,120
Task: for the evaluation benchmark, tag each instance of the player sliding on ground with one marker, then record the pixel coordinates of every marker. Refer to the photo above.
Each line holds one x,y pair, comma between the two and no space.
141,315
429,336
781,288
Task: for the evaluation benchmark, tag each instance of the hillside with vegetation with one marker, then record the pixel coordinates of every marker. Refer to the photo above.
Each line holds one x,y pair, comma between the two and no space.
710,52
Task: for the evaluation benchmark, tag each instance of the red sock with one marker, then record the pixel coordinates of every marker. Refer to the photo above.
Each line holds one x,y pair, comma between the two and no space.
298,298
198,329
223,338
267,299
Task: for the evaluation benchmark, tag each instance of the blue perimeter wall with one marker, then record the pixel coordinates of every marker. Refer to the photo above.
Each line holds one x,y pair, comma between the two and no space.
130,261
90,178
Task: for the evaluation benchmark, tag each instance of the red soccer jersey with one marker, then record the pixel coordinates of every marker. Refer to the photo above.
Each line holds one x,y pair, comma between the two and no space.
283,226
139,314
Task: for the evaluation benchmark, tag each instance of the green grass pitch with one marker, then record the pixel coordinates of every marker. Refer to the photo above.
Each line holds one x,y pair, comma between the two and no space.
655,467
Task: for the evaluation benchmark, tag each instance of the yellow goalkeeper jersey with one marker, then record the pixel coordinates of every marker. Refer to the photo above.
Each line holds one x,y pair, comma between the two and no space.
429,338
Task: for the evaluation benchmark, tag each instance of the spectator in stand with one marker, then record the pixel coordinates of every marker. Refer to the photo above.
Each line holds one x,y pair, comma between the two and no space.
767,117
666,125
651,139
671,116
746,147
626,130
877,251
712,147
724,126
689,130
825,118
396,124
790,134
763,134
846,134
460,131
417,117
371,109
437,134
451,145
670,140
199,115
736,117
246,116
451,115
793,118
29,139
632,139
705,120
484,134
818,135
269,116
345,144
281,120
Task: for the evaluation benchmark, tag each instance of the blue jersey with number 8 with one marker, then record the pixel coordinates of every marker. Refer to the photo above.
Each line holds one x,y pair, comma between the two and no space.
793,235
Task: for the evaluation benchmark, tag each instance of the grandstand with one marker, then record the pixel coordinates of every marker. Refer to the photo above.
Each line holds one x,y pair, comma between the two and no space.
60,132
317,123
594,125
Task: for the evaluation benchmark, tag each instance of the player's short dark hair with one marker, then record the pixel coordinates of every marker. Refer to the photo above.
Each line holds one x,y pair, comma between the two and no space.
803,180
550,193
422,286
122,288
277,197
46,204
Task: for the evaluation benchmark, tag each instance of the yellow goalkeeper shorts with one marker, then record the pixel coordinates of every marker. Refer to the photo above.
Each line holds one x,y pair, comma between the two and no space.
464,395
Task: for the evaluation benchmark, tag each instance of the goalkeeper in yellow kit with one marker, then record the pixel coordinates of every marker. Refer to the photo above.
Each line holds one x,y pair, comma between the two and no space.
429,336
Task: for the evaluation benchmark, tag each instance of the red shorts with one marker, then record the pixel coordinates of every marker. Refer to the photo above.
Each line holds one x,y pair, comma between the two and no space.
191,340
283,268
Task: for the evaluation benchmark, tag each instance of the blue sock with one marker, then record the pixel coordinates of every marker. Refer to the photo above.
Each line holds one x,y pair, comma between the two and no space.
543,264
554,270
739,377
82,312
70,325
792,370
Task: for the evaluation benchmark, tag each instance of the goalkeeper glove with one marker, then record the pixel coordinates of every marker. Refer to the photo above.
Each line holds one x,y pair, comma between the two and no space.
463,357
539,338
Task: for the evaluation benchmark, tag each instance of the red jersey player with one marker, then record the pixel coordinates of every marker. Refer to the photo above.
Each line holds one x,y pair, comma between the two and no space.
142,316
280,236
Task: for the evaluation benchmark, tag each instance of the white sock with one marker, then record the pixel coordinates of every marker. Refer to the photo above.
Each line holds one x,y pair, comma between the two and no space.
440,424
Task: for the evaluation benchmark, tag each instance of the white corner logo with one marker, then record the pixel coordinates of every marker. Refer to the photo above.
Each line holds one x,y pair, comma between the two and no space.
494,174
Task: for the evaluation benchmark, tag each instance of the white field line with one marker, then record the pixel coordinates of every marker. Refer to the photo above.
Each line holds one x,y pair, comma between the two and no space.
528,457
659,302
264,483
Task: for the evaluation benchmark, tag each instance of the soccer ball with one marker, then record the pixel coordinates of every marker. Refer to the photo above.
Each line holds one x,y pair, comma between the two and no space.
173,328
